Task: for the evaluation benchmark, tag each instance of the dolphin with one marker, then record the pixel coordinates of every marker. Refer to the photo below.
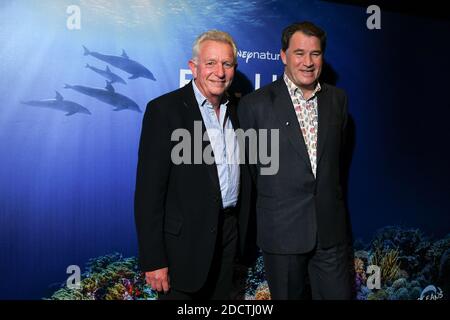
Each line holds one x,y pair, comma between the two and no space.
124,63
58,103
107,74
107,95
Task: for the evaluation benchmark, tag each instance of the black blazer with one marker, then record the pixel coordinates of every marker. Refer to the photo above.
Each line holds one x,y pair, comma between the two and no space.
293,207
177,206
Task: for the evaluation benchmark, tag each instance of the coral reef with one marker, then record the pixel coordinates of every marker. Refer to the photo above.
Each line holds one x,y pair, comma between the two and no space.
109,277
387,260
410,243
255,276
409,262
262,292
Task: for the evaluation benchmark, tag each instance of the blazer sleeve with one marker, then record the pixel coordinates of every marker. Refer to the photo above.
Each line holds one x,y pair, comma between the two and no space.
152,176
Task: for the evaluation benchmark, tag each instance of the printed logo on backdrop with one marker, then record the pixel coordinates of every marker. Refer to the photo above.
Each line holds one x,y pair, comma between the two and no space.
264,55
186,77
431,293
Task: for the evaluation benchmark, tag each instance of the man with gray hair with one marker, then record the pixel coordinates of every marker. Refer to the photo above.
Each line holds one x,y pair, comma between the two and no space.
190,213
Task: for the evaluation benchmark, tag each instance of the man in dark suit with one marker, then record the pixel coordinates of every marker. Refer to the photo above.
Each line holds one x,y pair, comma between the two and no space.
189,193
302,224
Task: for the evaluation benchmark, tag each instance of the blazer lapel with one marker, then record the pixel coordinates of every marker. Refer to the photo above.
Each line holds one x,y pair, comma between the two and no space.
190,102
323,109
289,126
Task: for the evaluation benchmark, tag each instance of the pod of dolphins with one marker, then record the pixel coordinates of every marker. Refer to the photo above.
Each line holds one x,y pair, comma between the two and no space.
108,94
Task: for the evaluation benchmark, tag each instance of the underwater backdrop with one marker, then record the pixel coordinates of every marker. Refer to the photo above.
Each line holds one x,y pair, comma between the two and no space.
75,78
408,261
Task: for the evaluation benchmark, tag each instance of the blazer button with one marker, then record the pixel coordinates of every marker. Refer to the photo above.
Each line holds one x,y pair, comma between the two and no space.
213,230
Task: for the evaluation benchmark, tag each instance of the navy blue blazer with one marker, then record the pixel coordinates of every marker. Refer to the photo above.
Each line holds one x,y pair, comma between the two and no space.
294,209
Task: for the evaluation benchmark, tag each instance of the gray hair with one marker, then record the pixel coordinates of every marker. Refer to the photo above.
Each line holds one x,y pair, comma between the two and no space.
214,35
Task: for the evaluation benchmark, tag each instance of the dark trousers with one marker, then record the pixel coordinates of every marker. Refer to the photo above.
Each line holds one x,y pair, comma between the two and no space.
219,281
328,271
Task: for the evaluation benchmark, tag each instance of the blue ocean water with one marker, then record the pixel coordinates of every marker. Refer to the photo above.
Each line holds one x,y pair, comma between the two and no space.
67,182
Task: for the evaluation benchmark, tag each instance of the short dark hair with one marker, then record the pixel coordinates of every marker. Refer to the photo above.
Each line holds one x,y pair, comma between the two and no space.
306,27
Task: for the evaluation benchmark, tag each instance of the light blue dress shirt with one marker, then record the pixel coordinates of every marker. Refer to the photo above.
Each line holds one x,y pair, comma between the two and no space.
224,145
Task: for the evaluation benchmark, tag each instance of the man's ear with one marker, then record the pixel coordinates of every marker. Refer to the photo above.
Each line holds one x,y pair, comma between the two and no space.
193,67
283,56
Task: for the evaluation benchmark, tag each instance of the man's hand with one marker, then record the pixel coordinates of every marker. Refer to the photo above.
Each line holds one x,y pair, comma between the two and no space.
159,279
